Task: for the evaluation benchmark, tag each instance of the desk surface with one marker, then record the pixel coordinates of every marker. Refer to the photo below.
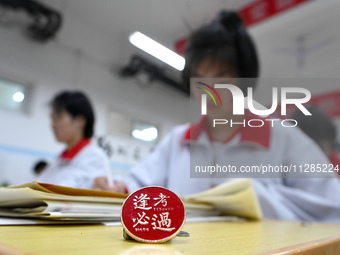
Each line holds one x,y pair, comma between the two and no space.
268,237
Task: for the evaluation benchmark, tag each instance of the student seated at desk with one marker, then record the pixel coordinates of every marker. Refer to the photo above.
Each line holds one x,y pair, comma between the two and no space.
72,122
223,49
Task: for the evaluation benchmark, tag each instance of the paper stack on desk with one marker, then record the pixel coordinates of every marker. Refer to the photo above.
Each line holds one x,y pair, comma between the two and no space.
233,198
52,202
45,201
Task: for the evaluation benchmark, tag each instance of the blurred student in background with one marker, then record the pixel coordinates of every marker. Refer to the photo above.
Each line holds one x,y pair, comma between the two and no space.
39,167
320,127
73,122
223,49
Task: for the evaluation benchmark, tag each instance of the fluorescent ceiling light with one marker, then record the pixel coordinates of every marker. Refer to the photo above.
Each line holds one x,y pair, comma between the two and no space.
157,50
18,97
147,134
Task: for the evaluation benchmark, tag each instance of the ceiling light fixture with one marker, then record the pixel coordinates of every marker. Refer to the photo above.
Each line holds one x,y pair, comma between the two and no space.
157,50
18,97
148,134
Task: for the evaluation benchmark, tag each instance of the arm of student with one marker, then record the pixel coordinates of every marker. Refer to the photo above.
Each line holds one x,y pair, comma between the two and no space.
154,169
101,183
151,171
304,196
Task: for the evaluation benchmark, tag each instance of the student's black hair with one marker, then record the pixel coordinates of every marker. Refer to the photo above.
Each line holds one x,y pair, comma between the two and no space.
224,41
319,126
75,103
39,166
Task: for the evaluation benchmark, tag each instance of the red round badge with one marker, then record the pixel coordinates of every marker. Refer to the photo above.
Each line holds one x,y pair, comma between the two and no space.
153,215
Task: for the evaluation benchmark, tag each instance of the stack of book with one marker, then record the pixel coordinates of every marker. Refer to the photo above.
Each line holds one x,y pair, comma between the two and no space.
52,202
57,203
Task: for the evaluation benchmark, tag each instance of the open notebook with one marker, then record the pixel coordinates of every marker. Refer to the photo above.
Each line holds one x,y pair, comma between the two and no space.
52,202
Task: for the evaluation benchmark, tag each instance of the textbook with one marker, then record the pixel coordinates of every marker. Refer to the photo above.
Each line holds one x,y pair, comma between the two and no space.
51,202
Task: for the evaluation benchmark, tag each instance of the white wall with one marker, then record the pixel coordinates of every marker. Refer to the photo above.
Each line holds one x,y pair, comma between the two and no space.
84,55
80,58
314,61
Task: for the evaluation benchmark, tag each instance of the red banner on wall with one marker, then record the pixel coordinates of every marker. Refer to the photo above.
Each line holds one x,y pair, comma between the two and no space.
253,13
263,9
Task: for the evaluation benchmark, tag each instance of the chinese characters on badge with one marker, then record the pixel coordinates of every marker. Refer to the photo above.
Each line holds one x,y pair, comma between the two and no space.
159,221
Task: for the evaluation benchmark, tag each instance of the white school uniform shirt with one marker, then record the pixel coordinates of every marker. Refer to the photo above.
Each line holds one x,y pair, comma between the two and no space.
77,167
284,197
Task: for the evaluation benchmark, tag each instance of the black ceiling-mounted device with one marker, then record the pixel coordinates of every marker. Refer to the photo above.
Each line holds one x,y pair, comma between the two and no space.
45,22
139,64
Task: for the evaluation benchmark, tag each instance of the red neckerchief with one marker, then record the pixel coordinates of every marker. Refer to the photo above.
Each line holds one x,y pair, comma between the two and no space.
71,153
257,135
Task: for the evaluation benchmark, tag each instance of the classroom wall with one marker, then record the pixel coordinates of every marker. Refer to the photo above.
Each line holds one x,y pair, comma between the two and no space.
86,57
82,57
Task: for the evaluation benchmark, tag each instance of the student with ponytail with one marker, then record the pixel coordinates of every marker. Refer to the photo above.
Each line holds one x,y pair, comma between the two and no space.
224,49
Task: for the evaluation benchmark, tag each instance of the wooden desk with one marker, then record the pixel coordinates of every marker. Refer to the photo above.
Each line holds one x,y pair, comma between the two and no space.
268,237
